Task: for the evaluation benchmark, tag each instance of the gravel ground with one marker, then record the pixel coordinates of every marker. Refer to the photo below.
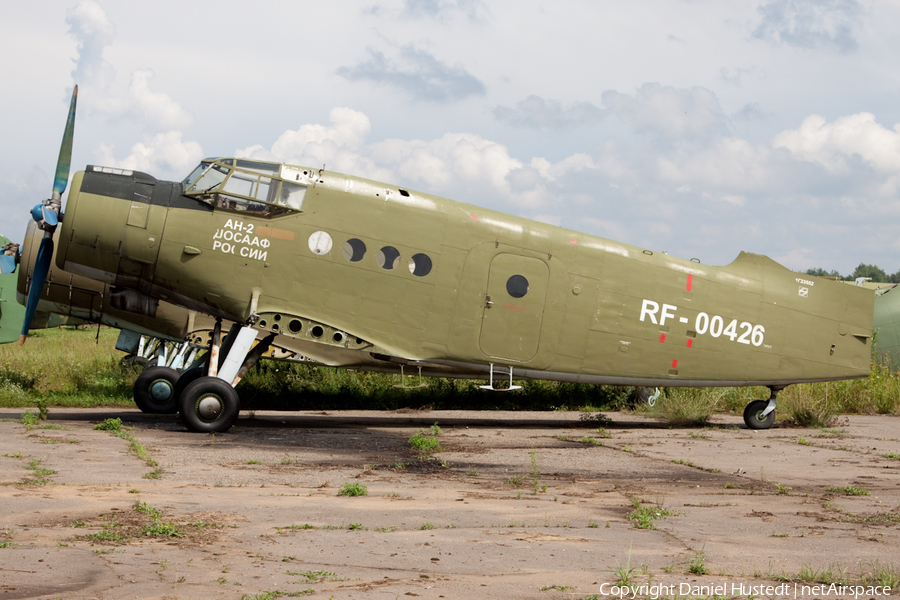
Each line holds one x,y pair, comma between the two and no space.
515,505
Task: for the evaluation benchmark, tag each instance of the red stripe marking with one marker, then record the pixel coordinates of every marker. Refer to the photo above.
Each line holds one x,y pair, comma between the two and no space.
675,363
574,241
690,342
474,218
690,282
662,337
513,307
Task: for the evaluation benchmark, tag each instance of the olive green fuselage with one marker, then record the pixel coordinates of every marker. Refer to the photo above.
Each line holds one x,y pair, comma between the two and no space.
376,274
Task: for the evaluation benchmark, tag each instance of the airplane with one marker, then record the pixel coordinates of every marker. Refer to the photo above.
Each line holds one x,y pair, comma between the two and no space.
380,277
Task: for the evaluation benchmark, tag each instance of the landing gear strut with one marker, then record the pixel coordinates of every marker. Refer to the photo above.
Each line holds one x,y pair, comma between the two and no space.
760,414
204,395
207,400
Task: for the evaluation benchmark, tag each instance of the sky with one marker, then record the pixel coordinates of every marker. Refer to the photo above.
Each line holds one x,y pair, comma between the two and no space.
697,127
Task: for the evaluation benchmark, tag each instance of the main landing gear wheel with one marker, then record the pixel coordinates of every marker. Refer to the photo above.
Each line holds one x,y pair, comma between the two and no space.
154,391
209,405
753,415
186,379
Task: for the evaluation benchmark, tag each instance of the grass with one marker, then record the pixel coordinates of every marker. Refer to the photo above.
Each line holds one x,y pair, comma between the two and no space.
687,463
114,426
88,373
353,489
39,475
643,516
560,588
697,566
146,509
849,491
427,442
535,474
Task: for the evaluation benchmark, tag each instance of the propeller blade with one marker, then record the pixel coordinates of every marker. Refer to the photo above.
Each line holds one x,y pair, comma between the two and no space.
7,264
39,277
64,162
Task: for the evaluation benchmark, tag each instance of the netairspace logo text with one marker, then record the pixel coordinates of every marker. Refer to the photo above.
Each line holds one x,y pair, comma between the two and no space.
784,590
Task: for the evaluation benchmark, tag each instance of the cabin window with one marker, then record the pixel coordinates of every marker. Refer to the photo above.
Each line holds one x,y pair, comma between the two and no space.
420,265
388,258
354,250
517,286
292,195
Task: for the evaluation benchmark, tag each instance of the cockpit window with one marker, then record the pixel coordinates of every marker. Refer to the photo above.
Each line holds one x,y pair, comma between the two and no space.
244,185
190,179
254,165
210,180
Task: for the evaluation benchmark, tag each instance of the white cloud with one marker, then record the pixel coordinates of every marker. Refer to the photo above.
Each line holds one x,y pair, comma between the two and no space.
156,107
810,23
340,146
455,161
90,26
669,112
832,144
164,155
732,164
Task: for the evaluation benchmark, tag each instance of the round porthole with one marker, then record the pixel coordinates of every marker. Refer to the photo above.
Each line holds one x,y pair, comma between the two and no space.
388,258
517,286
320,243
354,250
420,265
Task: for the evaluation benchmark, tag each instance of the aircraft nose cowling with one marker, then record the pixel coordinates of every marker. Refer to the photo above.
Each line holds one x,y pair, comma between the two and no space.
113,225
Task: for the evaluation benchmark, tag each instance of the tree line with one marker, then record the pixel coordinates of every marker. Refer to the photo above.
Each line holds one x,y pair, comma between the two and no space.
863,270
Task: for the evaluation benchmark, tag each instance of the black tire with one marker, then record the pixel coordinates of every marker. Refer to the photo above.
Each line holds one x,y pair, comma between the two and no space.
752,416
187,378
209,405
154,391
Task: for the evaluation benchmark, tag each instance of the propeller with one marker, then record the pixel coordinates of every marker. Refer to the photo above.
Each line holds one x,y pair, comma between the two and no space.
47,216
9,258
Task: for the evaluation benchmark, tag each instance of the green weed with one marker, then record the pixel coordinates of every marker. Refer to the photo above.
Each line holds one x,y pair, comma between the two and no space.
157,529
111,424
849,491
425,444
697,566
146,509
643,516
353,489
535,474
561,588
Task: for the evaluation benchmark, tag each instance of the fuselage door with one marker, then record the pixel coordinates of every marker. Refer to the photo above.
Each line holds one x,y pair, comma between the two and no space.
514,307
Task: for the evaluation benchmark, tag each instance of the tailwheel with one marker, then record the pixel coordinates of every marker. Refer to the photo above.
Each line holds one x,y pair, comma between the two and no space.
648,396
209,405
753,415
154,391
